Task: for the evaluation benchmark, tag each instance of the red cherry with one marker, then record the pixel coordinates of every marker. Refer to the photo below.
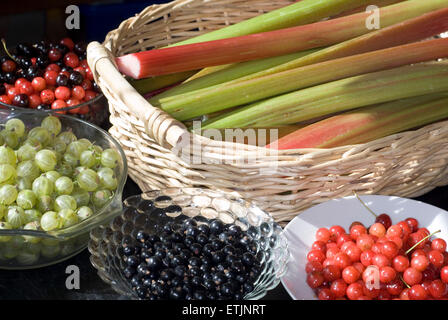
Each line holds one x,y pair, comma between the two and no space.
5,99
58,104
338,288
394,231
90,94
420,262
331,273
438,244
47,96
86,84
436,258
50,77
377,229
325,294
53,67
12,92
81,70
313,266
322,234
444,274
342,260
71,59
26,88
314,279
350,274
417,292
380,260
395,287
54,54
437,289
39,84
354,291
9,66
89,74
357,230
62,93
354,253
366,257
412,276
35,100
336,231
68,42
365,242
79,93
412,223
384,219
400,263
387,274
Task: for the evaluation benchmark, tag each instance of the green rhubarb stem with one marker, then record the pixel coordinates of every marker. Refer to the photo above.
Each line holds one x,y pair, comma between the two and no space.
240,93
411,30
367,124
427,237
229,73
299,13
341,95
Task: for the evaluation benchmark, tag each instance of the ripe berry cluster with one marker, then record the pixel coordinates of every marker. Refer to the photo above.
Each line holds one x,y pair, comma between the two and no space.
193,262
48,76
406,263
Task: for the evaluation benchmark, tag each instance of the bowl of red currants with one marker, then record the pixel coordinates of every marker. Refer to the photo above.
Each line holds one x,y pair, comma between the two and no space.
368,248
59,178
190,244
51,77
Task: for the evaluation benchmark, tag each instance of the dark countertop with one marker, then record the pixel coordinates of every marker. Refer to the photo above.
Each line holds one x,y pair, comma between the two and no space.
49,282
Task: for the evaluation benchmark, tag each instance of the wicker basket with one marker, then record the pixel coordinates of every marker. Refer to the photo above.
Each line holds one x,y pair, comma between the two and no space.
406,164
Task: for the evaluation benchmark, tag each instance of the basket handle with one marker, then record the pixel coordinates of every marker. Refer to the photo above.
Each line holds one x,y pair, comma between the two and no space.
159,125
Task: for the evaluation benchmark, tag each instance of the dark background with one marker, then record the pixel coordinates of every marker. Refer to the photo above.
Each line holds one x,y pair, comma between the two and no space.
30,21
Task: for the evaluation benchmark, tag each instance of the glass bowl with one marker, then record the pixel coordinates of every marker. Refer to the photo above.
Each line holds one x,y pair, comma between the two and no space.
98,110
16,250
202,205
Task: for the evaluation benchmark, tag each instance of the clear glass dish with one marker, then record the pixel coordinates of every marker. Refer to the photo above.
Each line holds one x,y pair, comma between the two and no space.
201,205
55,246
98,110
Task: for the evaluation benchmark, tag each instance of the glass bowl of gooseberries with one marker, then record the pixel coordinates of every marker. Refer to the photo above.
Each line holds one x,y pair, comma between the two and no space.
59,178
52,77
190,244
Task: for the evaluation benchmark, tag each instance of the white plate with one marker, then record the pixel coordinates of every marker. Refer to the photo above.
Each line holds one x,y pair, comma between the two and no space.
301,230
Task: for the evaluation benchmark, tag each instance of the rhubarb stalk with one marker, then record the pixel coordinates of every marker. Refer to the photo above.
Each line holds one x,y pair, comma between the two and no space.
240,93
367,124
341,95
299,13
411,30
254,46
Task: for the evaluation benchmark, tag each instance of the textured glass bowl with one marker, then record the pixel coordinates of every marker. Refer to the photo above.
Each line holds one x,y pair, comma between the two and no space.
55,246
98,110
202,205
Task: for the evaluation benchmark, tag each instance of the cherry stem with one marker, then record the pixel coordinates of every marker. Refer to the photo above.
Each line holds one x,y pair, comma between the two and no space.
6,50
363,203
428,236
402,280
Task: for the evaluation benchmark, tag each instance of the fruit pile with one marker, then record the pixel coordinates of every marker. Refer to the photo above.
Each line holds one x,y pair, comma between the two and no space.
49,179
48,76
383,261
193,262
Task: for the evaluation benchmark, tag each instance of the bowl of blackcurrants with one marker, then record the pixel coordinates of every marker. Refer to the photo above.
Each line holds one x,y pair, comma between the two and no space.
190,244
51,77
